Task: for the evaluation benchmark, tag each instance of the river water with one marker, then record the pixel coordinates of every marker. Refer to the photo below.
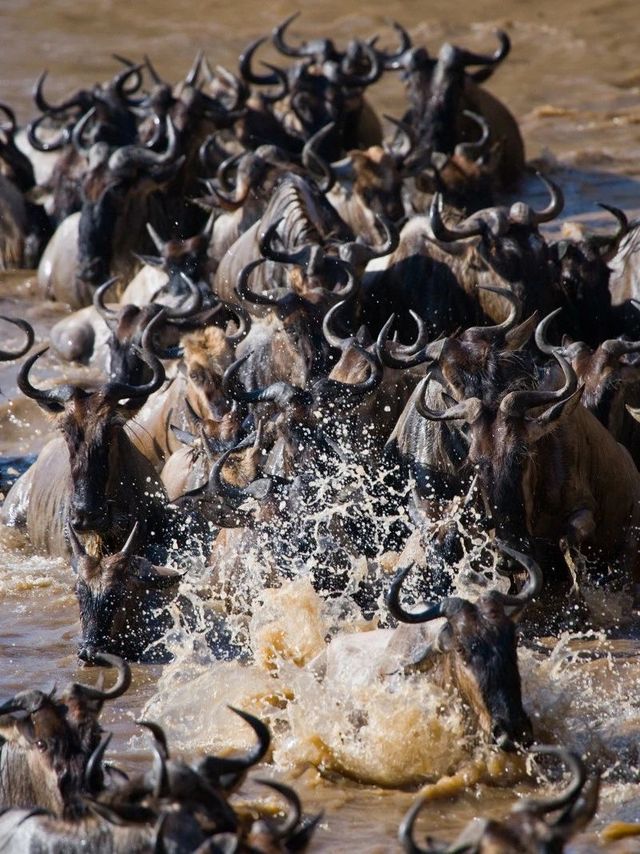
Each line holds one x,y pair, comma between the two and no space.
353,747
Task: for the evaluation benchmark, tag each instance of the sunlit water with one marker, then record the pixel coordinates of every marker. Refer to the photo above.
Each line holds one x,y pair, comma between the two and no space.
355,744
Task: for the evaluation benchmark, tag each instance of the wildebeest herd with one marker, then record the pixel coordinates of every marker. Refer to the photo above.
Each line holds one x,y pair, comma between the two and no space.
281,292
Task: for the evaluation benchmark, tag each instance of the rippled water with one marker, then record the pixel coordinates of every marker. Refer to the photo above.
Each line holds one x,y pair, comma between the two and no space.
573,81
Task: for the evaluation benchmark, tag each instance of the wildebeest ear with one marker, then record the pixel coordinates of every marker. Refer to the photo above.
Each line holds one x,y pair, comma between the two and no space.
182,435
159,577
520,334
151,260
444,641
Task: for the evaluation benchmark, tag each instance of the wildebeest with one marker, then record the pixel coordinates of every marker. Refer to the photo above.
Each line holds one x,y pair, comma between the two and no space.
549,472
122,600
610,376
91,475
529,827
475,650
45,752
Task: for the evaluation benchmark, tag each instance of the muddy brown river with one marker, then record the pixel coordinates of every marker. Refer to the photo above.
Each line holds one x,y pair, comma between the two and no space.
352,748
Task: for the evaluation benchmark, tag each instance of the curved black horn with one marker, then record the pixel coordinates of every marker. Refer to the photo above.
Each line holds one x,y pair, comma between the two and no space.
191,78
473,150
328,386
48,398
127,549
243,322
277,37
579,777
317,164
517,403
409,134
152,71
44,106
405,831
515,311
120,391
234,495
259,751
404,356
160,776
332,339
158,242
391,60
98,299
93,775
228,772
247,73
533,584
138,155
77,134
245,293
298,256
468,410
431,612
280,393
541,334
448,233
120,686
61,139
466,57
288,826
376,67
555,206
6,355
621,216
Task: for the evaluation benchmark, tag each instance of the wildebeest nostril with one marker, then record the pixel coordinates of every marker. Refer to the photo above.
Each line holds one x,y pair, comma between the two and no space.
84,521
502,738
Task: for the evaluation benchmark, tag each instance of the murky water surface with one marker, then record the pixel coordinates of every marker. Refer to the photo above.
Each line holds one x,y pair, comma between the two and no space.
573,81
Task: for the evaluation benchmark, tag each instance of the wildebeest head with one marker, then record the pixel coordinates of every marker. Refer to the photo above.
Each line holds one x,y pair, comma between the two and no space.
582,273
510,242
502,433
328,84
529,828
179,258
478,642
607,373
119,597
114,180
46,752
207,354
155,325
479,361
90,422
435,88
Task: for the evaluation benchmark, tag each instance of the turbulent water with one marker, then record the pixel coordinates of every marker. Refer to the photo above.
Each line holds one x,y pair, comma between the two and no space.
356,745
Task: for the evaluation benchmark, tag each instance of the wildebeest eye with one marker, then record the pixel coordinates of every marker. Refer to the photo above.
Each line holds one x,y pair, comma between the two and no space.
41,744
198,376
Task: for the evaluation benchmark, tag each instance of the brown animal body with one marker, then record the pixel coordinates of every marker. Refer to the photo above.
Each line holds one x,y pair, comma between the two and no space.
92,476
122,600
475,649
558,478
610,377
44,754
